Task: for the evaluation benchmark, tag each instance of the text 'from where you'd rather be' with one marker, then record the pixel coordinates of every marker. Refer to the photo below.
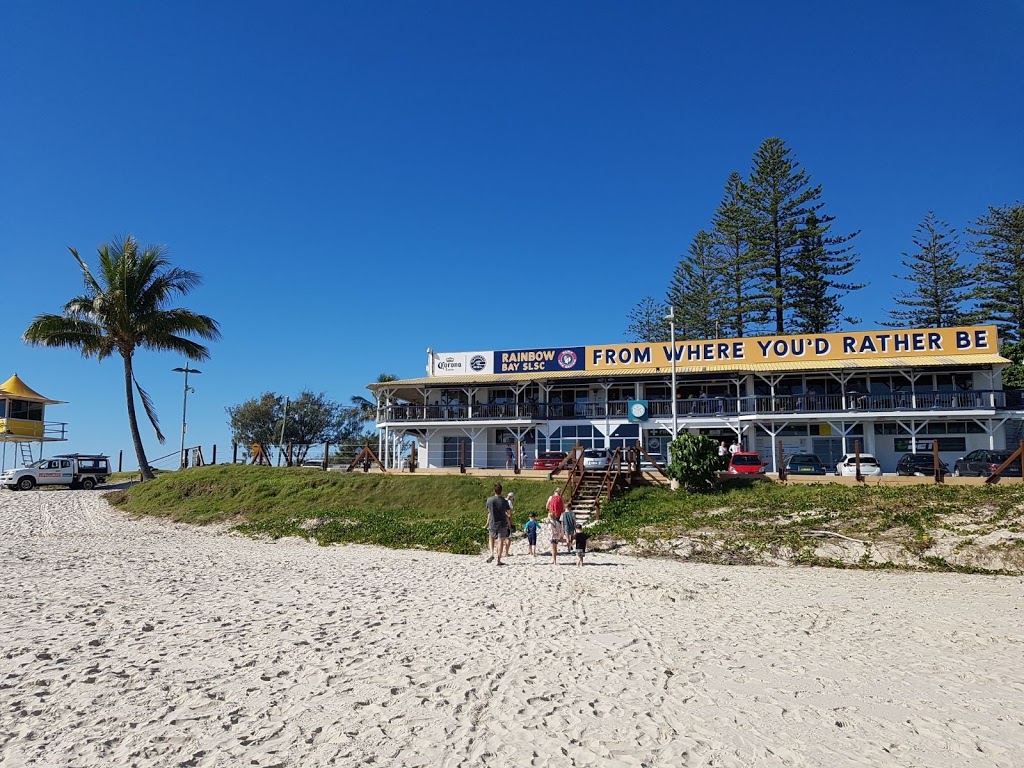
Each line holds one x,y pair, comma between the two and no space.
831,346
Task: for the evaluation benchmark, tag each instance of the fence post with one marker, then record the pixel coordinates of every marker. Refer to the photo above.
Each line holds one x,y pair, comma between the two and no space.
782,463
856,458
939,477
120,456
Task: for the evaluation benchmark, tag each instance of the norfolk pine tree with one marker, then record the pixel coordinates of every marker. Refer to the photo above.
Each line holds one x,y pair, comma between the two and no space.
779,197
647,321
815,290
696,291
999,245
941,283
731,231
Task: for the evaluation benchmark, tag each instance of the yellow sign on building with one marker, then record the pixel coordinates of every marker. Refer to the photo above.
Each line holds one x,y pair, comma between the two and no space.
849,345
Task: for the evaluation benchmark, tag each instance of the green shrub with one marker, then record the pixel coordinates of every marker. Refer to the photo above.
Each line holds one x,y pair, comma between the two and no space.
693,461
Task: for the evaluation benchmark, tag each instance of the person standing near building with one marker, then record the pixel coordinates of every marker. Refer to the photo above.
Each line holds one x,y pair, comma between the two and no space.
569,526
734,448
497,522
510,457
556,535
723,454
579,542
532,527
555,504
511,499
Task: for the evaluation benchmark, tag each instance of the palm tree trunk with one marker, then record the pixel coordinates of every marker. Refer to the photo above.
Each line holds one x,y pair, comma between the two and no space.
133,422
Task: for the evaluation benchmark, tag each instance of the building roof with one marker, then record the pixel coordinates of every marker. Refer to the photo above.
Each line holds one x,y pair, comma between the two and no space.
14,387
872,363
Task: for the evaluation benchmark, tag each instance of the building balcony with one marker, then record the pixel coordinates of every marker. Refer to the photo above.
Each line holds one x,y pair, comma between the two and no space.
810,405
32,431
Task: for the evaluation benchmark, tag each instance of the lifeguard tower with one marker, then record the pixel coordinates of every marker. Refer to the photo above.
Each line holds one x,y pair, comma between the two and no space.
22,412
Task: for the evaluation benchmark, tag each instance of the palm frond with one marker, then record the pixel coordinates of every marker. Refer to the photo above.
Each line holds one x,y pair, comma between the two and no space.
68,332
147,405
87,277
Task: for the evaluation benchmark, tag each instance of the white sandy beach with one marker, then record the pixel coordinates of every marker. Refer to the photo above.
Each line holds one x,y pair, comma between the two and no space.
139,643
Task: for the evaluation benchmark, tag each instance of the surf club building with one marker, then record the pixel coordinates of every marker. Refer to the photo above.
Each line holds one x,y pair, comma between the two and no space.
894,391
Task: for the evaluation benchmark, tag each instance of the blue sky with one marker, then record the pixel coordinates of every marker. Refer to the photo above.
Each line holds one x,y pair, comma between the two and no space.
357,182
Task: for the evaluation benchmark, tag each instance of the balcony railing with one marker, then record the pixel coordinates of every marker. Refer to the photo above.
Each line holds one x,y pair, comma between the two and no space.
29,430
710,407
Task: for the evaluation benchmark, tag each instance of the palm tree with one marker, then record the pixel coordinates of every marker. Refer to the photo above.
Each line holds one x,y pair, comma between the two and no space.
365,408
124,308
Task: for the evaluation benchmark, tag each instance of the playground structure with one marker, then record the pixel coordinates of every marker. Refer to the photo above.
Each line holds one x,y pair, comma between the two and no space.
22,420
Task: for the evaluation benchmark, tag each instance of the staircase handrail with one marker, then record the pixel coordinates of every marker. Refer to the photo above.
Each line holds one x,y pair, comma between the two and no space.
609,481
564,463
572,482
657,466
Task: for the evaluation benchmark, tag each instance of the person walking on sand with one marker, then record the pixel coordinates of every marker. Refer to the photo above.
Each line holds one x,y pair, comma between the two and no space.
511,499
497,522
579,542
569,526
557,535
532,527
555,504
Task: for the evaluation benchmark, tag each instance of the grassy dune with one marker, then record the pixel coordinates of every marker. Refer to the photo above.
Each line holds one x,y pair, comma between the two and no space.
444,513
961,528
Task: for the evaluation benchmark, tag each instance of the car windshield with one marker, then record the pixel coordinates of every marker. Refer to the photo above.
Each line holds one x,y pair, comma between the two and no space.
552,456
804,460
594,454
746,461
863,460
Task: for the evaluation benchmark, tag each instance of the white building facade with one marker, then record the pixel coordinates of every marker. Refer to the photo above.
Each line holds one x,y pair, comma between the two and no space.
894,391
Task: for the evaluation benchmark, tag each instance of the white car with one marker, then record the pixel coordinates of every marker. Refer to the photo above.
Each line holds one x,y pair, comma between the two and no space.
869,466
597,458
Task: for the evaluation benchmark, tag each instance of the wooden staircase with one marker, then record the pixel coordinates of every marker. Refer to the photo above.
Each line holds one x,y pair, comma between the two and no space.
586,491
588,496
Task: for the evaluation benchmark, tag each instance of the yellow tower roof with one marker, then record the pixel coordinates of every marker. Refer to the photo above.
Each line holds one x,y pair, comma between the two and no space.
15,387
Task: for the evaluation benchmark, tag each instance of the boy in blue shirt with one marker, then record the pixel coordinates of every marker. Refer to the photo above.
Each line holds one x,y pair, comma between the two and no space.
531,533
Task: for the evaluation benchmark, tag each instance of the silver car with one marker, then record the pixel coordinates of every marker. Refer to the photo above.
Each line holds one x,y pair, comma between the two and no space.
597,458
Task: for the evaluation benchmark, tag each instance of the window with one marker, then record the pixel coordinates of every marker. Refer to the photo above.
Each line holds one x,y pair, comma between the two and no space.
566,437
23,409
455,450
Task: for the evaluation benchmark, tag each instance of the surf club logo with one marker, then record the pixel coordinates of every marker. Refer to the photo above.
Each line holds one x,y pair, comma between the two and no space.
567,358
477,362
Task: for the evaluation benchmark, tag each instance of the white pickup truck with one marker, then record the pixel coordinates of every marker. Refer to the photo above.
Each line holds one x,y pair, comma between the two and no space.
77,470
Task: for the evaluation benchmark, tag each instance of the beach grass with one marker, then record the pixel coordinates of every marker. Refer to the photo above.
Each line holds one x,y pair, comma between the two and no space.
934,527
443,513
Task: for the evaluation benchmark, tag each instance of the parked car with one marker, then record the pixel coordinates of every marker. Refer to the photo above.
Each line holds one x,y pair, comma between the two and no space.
983,463
746,463
313,464
919,464
549,459
805,464
597,458
869,466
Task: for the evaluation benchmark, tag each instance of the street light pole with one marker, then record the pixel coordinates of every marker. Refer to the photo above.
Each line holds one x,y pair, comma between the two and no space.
671,317
184,407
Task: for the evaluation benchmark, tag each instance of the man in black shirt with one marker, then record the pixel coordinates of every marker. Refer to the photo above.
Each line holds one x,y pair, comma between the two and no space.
497,522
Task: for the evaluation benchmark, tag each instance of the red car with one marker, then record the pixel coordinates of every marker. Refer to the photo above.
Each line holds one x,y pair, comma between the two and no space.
549,460
746,463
